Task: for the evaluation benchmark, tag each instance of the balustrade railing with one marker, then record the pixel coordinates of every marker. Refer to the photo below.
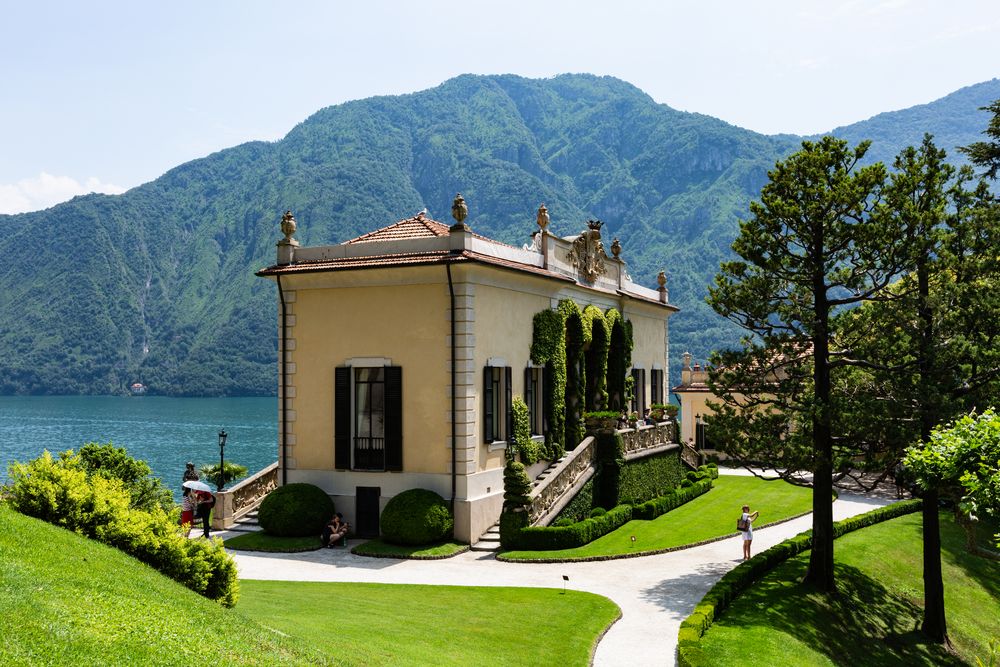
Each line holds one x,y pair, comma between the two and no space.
643,437
235,502
575,469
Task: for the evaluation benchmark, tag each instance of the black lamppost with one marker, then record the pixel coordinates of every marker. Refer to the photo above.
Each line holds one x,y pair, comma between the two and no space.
222,459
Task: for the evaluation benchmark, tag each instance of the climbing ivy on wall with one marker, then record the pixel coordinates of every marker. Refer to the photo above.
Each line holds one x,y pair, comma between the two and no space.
596,329
586,355
619,359
548,346
576,375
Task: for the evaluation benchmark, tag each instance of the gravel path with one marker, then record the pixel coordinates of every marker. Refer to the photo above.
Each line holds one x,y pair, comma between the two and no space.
655,593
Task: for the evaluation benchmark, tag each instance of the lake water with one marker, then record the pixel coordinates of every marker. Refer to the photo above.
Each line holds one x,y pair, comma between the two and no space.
165,432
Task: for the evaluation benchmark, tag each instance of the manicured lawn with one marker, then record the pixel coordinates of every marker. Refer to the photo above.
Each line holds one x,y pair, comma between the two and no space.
875,616
66,600
382,624
260,541
707,517
382,549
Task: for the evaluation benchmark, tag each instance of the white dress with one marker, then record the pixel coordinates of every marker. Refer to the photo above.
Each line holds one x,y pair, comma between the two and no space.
748,533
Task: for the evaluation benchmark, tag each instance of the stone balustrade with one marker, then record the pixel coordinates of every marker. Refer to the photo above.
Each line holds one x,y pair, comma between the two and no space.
640,440
235,502
559,487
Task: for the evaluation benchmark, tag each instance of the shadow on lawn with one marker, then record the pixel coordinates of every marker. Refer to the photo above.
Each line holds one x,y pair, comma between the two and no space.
863,623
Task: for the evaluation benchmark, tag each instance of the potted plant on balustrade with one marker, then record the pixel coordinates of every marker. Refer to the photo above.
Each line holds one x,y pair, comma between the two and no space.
663,411
601,420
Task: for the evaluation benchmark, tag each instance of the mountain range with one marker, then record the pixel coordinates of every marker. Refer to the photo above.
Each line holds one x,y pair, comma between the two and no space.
157,284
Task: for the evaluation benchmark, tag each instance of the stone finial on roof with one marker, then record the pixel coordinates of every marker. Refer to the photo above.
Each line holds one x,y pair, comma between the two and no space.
459,211
595,225
287,245
616,247
288,226
661,278
543,218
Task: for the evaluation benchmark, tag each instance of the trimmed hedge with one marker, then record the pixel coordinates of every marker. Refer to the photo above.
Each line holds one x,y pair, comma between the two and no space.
295,510
415,517
734,582
658,506
545,538
649,478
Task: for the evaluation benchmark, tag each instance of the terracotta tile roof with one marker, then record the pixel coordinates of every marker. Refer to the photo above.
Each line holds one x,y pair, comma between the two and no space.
417,227
345,263
407,259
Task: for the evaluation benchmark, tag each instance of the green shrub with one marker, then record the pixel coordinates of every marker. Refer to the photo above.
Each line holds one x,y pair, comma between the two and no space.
542,538
92,502
417,516
657,506
295,510
145,491
523,444
647,478
563,522
597,511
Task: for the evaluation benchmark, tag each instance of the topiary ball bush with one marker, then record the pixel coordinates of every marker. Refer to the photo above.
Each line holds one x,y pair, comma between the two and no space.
417,516
295,510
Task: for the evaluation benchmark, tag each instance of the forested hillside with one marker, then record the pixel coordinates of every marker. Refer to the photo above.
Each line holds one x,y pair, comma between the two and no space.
157,284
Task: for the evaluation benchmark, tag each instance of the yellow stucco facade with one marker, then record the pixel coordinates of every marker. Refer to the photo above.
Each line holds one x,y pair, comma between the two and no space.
369,305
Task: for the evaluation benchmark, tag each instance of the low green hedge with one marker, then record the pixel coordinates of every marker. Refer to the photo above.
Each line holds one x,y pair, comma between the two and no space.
416,517
734,582
544,538
657,506
549,538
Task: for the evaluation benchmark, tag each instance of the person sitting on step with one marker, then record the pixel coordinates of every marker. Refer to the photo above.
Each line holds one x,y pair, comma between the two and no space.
335,531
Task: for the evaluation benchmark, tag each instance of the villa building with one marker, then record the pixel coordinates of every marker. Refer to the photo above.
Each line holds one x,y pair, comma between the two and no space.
400,352
693,394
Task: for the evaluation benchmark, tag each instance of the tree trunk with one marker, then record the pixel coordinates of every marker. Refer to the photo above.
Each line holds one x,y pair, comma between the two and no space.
934,626
820,572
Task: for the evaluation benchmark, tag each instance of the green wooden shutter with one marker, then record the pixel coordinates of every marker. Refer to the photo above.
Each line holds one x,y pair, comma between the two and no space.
487,404
508,405
394,418
342,419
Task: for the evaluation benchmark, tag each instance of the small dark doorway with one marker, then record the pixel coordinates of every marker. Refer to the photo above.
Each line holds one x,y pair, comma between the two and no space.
366,507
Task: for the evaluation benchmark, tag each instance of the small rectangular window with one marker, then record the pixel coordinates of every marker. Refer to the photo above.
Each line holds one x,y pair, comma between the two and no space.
533,398
656,386
639,390
497,414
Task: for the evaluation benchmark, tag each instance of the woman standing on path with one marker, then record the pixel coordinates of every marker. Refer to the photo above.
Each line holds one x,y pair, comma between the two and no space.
747,519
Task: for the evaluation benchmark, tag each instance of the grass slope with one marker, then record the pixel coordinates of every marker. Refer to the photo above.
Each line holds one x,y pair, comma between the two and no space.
874,619
69,601
383,624
66,600
707,517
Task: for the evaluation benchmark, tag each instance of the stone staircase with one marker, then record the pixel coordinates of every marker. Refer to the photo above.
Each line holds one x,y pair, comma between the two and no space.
246,524
490,540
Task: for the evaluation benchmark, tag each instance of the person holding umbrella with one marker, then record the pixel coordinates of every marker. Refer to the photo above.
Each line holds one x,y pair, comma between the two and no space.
197,496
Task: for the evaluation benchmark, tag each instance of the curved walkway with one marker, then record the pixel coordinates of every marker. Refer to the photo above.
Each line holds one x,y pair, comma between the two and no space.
655,593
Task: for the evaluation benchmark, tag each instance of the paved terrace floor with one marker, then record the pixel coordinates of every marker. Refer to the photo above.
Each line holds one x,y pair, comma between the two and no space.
655,593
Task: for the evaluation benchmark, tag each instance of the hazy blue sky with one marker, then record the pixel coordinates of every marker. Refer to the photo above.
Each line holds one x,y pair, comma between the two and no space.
103,96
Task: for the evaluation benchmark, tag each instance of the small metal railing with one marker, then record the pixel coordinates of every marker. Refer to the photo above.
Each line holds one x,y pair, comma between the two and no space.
369,453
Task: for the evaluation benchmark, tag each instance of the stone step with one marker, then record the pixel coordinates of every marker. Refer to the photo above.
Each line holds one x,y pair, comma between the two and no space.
244,528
